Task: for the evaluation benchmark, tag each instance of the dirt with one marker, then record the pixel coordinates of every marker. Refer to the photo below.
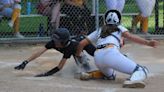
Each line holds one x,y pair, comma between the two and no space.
24,81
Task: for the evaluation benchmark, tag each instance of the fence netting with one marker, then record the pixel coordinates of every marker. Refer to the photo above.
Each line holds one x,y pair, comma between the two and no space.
77,21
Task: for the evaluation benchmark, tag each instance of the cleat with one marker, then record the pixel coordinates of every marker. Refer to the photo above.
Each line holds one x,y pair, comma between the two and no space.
134,84
18,35
137,78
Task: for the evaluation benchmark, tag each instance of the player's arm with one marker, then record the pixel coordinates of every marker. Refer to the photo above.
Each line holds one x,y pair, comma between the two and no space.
81,45
31,58
54,70
140,40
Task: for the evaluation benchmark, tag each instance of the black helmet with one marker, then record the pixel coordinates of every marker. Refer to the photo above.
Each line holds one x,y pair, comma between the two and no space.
61,35
112,17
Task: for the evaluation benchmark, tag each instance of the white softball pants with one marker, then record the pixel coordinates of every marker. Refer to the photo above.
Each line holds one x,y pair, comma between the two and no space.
146,7
115,4
109,59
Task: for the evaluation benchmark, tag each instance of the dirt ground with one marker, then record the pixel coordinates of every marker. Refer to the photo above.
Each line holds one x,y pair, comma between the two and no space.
23,81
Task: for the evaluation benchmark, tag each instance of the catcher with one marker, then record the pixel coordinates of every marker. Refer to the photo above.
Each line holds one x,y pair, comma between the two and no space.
108,58
62,42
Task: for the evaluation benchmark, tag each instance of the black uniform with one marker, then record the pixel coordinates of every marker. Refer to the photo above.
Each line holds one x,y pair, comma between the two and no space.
72,47
67,51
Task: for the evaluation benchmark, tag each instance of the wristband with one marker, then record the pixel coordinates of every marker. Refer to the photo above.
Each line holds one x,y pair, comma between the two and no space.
26,62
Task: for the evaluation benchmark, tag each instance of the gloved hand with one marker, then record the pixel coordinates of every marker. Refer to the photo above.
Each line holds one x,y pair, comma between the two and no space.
22,65
42,75
50,72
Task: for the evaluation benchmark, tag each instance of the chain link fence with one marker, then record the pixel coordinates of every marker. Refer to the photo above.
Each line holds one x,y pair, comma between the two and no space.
35,26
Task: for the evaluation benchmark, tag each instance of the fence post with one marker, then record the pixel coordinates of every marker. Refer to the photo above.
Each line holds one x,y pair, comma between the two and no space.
156,16
97,13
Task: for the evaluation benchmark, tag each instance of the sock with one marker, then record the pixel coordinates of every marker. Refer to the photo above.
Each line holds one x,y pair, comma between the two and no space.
144,24
16,25
137,19
15,14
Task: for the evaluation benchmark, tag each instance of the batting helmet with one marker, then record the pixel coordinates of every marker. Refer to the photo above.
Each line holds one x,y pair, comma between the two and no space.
61,35
113,17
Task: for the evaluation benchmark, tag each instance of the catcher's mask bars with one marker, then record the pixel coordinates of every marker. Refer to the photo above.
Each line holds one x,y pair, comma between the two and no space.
61,36
112,17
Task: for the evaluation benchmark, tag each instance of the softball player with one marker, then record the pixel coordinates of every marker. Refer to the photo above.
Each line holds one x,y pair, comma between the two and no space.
115,4
108,57
11,9
146,8
62,42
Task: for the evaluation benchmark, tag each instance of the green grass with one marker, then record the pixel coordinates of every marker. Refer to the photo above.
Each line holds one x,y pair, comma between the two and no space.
32,24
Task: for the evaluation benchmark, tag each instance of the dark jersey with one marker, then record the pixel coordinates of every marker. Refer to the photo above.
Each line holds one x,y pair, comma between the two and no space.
67,51
90,49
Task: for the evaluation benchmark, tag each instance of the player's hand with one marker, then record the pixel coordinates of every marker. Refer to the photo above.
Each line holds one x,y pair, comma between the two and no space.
153,43
49,73
43,75
22,65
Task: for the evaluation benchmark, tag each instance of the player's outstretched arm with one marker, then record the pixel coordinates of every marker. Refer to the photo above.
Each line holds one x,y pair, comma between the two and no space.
54,70
137,39
34,56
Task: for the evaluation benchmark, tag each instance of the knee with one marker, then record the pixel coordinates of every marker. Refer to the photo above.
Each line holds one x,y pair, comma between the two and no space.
7,12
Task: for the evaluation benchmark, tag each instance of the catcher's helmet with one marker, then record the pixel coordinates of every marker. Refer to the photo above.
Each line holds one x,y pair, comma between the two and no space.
61,35
113,17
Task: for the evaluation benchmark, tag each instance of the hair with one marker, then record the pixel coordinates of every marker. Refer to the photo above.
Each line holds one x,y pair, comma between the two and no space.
108,29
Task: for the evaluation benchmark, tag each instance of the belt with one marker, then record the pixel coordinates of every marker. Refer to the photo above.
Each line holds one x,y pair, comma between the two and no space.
105,46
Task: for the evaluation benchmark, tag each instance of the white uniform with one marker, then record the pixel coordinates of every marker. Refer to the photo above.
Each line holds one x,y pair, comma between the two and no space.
107,59
115,4
146,7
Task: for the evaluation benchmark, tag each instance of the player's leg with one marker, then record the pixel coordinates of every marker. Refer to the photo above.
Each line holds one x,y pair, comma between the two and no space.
55,15
96,74
120,5
146,8
112,58
111,4
15,14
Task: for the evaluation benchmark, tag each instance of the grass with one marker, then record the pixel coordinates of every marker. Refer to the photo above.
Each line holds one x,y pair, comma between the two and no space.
32,24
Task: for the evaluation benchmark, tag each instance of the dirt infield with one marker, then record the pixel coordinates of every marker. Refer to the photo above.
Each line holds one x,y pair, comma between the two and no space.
23,81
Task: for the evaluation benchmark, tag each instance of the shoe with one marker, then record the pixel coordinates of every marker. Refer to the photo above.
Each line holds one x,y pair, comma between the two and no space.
85,76
134,84
11,24
137,78
18,35
82,76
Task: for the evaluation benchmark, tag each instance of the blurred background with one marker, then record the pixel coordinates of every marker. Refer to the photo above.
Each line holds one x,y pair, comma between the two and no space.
36,27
